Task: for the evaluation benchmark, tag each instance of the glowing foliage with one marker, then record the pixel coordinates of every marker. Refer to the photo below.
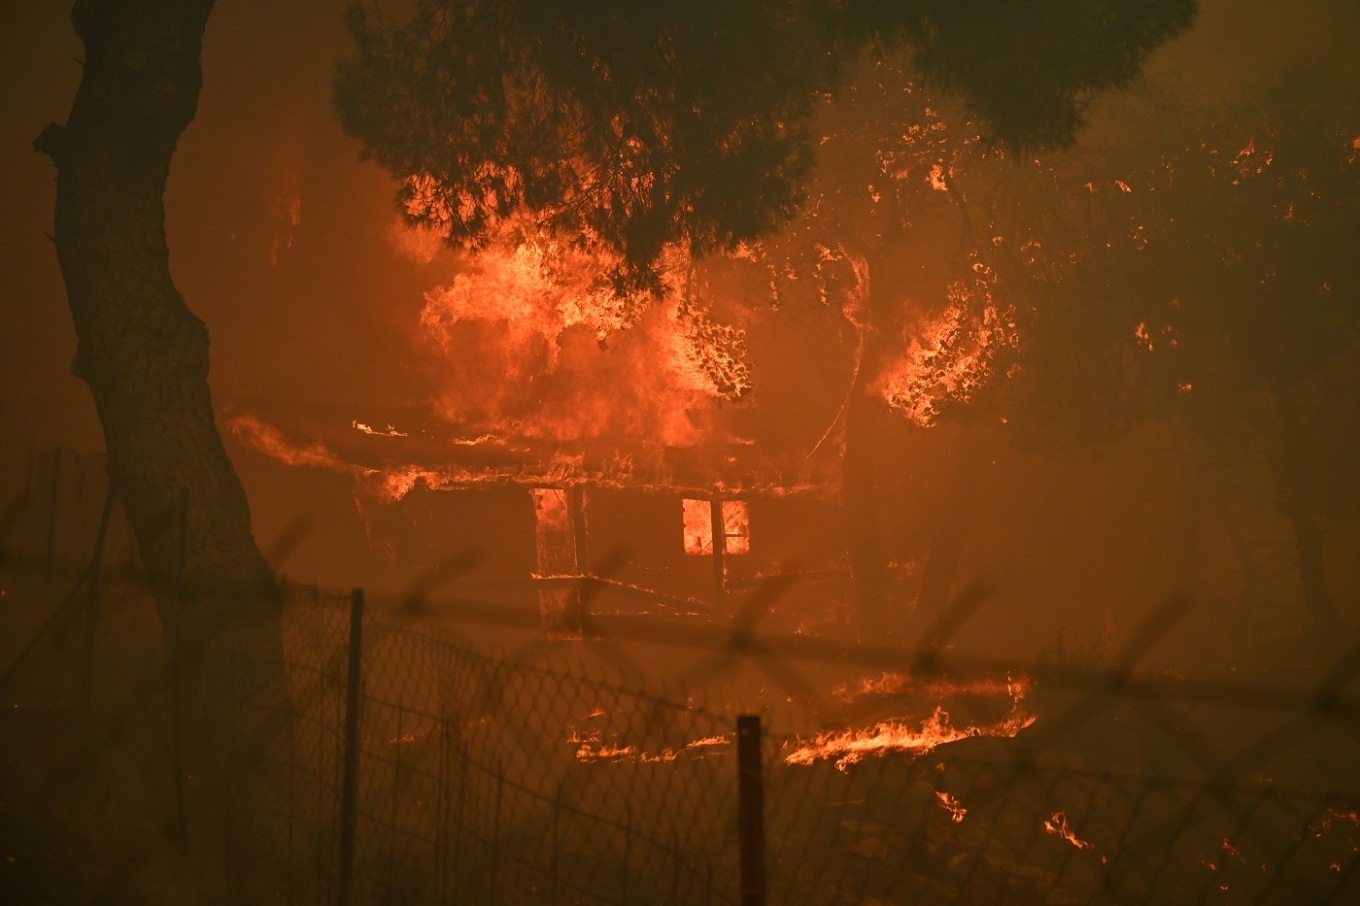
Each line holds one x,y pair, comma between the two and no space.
618,123
952,354
716,352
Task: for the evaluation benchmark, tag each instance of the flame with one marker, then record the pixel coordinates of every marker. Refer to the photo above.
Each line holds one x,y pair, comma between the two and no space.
536,340
698,527
890,683
937,178
270,440
1251,161
1057,824
950,356
369,429
952,805
591,751
847,747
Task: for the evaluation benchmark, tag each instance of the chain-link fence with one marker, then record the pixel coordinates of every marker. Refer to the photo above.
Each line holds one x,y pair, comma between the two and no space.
467,775
554,773
411,762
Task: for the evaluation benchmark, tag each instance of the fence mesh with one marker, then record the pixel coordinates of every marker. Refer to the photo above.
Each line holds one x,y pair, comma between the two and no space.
550,774
600,771
503,778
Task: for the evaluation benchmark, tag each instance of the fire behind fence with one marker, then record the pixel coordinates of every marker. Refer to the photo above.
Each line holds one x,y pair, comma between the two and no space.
420,769
553,775
424,767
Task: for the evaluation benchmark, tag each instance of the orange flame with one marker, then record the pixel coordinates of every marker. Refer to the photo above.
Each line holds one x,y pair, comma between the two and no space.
890,683
537,342
591,751
950,357
369,429
1057,824
952,805
698,527
847,747
271,441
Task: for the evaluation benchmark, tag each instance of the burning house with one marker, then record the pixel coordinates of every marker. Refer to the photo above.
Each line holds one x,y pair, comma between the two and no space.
663,444
678,530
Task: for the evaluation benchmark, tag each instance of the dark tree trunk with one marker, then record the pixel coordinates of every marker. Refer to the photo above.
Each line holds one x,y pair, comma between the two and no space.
1294,476
144,356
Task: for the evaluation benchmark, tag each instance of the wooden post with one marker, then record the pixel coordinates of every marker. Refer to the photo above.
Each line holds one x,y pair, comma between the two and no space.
576,511
576,507
349,780
750,811
719,528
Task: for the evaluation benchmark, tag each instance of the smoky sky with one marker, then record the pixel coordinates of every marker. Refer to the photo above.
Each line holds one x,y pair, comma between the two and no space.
279,242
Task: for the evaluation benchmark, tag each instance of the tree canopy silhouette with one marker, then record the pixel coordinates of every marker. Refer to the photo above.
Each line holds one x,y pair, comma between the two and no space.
1203,269
633,126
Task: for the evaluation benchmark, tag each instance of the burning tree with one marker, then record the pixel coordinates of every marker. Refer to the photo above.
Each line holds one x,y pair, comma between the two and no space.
616,130
618,126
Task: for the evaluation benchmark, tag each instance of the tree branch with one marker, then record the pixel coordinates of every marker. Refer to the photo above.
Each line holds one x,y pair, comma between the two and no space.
52,142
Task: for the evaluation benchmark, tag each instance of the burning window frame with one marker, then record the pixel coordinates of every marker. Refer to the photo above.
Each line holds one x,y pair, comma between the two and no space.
697,524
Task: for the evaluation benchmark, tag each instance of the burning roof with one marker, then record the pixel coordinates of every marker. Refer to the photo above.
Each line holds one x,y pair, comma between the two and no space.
388,460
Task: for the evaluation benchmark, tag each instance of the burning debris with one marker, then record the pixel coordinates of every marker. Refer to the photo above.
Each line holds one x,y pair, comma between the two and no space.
891,683
952,805
389,431
591,751
1057,824
847,747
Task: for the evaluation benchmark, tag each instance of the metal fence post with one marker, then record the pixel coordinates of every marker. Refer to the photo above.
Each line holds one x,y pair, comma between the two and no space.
750,811
350,777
